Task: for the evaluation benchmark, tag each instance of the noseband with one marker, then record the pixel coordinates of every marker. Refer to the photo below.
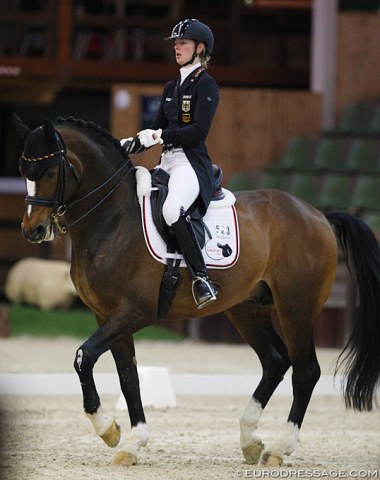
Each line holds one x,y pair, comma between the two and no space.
57,203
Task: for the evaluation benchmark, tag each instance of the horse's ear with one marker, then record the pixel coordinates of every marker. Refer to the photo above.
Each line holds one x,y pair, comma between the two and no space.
49,131
22,129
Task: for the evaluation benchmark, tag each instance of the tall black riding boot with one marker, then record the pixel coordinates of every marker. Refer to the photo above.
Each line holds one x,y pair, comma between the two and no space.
204,292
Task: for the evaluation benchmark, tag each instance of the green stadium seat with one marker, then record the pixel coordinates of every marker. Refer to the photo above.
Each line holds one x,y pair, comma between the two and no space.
355,118
374,125
330,155
242,180
335,193
305,187
298,155
271,179
364,156
366,193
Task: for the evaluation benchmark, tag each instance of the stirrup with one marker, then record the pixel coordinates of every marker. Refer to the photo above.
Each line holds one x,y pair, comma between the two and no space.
208,293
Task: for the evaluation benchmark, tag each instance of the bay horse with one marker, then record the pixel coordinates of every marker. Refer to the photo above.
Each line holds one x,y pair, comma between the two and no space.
80,179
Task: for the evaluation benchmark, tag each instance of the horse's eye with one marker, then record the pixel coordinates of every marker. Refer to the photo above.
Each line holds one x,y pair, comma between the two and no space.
51,173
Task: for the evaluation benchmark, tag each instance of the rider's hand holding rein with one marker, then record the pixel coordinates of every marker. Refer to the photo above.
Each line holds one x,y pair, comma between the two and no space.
150,137
146,138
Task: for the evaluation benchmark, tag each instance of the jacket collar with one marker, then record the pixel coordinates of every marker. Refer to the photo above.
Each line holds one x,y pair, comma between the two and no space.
187,71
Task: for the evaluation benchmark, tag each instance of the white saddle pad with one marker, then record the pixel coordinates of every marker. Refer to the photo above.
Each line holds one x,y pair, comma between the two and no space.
219,251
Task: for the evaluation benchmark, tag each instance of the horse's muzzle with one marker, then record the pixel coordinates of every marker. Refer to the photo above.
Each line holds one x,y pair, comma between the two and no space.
39,233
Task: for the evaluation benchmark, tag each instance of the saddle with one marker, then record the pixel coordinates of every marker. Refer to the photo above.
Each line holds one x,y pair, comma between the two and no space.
158,196
218,235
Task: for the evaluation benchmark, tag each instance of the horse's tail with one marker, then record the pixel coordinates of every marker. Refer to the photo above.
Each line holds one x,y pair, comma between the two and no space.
361,356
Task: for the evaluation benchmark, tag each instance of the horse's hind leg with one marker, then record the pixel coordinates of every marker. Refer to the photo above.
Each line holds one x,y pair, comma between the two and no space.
124,355
255,326
297,330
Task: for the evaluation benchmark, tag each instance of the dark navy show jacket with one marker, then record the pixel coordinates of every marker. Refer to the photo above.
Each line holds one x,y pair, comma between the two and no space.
185,115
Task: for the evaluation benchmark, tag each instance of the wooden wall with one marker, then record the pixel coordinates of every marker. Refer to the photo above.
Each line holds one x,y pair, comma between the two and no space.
251,129
358,59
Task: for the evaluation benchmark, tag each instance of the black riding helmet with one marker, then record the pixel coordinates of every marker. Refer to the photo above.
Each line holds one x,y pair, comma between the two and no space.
193,29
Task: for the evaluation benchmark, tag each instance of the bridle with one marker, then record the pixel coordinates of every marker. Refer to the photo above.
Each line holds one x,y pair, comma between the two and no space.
57,203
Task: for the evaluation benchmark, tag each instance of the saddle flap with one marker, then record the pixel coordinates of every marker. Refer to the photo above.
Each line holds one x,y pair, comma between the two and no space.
217,232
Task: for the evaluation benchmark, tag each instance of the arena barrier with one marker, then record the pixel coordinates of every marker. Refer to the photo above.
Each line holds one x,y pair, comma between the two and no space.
158,387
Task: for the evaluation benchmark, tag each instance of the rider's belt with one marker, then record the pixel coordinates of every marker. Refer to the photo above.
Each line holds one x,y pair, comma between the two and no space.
171,148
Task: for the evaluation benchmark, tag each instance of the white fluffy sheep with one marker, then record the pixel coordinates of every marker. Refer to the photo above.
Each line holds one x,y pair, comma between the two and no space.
44,283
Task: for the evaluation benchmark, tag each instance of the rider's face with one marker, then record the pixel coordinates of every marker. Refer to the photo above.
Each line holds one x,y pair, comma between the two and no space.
184,50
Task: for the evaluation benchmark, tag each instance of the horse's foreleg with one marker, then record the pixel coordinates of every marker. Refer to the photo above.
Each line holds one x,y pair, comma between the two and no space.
255,326
105,427
105,337
124,355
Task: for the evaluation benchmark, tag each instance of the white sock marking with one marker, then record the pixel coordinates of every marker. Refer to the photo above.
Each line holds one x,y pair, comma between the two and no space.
248,423
287,442
137,438
100,421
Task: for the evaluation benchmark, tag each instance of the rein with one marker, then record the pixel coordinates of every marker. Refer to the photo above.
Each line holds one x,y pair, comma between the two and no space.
57,202
63,209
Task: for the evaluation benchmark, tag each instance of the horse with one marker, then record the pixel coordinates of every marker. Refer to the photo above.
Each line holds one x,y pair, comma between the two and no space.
80,180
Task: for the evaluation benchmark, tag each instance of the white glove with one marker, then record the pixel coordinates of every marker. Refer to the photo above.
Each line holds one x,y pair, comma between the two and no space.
124,140
149,137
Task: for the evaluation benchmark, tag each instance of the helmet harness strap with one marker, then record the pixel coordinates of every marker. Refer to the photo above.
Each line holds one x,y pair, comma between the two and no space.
195,54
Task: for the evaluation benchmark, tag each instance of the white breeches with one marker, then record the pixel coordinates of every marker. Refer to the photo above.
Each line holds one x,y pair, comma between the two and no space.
183,184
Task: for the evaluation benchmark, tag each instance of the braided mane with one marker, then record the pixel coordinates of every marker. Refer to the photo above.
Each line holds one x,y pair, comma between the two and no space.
95,132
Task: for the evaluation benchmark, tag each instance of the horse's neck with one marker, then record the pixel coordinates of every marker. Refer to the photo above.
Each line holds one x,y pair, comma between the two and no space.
109,233
107,214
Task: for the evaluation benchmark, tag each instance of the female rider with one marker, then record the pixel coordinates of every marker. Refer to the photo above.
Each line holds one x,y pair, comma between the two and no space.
183,120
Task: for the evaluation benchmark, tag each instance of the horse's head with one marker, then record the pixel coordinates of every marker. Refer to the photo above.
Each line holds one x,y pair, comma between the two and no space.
45,167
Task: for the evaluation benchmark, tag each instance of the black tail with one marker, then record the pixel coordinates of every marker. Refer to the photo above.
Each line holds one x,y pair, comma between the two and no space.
361,356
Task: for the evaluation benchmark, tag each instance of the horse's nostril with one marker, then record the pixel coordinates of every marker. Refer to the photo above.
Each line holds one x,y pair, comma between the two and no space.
40,231
36,234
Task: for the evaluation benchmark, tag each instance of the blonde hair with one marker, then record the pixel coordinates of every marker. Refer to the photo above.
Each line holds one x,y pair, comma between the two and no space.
204,57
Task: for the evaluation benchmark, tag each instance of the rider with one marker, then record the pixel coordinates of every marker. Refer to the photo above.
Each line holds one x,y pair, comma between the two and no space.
187,108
